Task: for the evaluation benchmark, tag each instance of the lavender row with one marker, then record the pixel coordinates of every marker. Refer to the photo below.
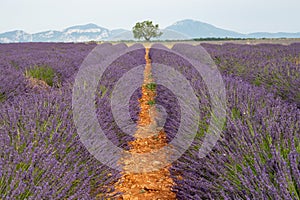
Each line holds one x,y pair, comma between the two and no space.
65,59
258,154
274,66
42,156
126,62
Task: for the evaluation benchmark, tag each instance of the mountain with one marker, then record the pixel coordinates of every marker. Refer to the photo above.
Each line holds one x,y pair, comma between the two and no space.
118,31
15,36
197,29
79,33
47,36
273,35
181,30
85,33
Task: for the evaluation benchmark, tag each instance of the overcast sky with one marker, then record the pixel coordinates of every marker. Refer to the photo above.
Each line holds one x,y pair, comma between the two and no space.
238,15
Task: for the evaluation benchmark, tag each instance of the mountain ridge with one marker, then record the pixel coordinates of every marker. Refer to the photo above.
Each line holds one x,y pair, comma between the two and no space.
180,30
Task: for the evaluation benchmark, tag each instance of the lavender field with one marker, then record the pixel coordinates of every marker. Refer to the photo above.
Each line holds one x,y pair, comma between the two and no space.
256,157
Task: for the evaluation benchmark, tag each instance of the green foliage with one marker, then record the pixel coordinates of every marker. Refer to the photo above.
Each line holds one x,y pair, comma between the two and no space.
257,81
151,102
2,97
151,86
236,114
146,30
43,73
15,64
102,92
217,60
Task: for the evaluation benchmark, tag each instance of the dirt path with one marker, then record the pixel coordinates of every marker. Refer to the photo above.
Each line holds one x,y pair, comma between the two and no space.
157,183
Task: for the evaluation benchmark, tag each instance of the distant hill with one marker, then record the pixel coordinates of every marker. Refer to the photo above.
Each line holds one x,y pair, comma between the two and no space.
181,30
273,35
15,36
197,29
79,33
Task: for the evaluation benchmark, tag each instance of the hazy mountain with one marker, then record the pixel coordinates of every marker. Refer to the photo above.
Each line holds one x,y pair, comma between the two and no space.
273,35
169,34
79,33
47,36
118,31
85,33
15,36
121,35
197,29
181,30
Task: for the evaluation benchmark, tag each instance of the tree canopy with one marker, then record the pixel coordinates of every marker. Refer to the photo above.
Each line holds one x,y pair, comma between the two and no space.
146,30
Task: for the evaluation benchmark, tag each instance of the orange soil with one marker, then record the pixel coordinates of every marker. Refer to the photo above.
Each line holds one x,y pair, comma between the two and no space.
156,183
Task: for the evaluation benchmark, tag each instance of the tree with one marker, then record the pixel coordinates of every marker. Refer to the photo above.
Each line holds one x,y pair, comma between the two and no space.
146,30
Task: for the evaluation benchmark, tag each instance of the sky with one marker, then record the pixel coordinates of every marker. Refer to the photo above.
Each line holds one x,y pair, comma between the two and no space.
238,15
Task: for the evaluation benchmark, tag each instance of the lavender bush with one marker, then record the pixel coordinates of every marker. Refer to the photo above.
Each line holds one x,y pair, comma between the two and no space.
258,155
274,66
42,156
104,91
